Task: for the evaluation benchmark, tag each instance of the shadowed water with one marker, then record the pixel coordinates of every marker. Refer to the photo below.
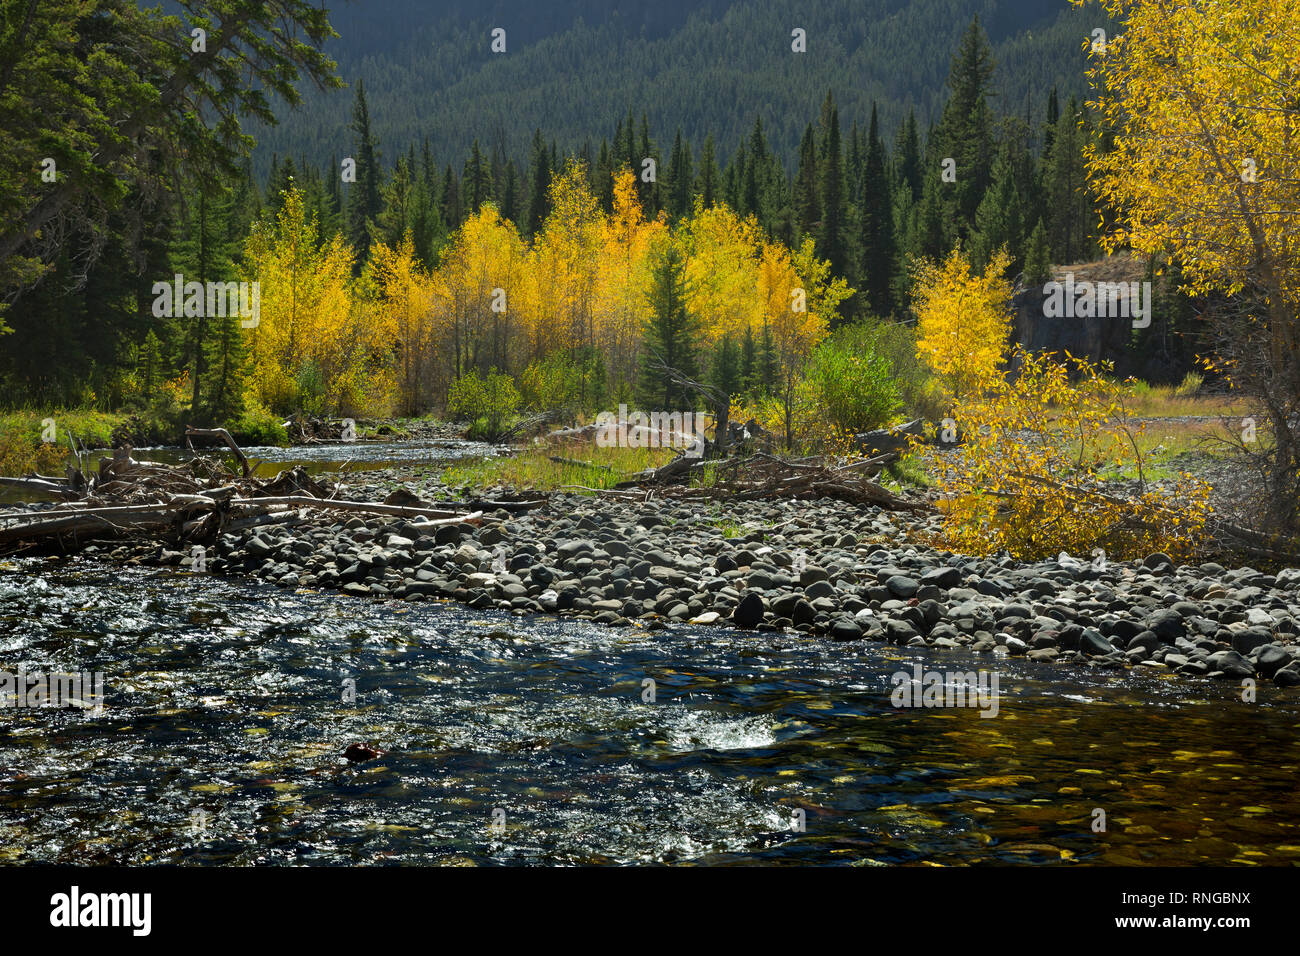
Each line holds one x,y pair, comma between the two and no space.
331,457
226,698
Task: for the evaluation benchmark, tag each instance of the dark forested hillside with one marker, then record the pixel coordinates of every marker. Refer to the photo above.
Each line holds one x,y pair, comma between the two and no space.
574,69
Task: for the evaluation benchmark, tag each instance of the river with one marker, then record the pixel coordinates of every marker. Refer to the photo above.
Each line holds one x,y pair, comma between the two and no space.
516,740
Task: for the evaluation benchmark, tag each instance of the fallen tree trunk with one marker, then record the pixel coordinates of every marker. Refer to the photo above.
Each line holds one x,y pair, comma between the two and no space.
40,486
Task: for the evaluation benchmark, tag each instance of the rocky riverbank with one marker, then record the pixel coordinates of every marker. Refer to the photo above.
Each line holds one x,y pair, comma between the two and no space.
822,567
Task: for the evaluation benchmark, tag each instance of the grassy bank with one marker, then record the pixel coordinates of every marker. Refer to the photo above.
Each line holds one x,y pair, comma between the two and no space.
580,467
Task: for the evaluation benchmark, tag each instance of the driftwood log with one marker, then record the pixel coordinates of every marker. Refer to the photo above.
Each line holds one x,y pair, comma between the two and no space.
193,502
764,476
191,432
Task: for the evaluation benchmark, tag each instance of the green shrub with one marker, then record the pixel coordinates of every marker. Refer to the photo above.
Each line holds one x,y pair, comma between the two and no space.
20,456
563,381
851,384
488,402
257,425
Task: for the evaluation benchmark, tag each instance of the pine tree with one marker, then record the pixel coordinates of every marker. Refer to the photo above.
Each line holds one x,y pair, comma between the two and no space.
965,131
670,333
733,192
476,181
396,213
363,195
748,355
427,228
680,178
724,373
907,156
933,238
1049,128
830,240
149,365
753,185
855,164
999,220
284,176
1070,211
604,178
1038,264
539,180
707,184
331,216
204,254
510,196
651,199
450,200
807,202
877,236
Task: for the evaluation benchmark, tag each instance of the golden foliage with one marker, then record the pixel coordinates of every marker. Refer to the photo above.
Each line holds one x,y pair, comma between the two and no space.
1027,477
1201,95
963,320
307,321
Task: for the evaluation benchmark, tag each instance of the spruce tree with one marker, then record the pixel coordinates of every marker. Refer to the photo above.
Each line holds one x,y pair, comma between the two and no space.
670,333
907,157
807,203
331,216
476,181
1038,263
877,235
395,214
450,200
1070,211
725,370
680,178
604,178
753,185
998,220
831,237
965,131
539,180
204,254
707,184
363,195
510,196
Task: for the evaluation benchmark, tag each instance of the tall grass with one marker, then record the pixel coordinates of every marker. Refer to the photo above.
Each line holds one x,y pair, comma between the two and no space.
582,467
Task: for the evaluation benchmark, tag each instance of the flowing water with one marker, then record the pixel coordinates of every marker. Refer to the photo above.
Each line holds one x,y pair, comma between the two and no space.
515,740
331,457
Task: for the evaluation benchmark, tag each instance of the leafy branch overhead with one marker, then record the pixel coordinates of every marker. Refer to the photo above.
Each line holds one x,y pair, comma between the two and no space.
127,102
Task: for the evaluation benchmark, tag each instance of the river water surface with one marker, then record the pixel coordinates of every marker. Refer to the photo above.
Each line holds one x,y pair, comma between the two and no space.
516,740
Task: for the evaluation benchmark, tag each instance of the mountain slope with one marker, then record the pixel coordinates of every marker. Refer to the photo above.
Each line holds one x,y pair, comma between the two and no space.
575,69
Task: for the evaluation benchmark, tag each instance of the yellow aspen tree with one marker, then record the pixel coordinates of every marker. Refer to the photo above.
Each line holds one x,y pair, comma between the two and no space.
404,315
963,321
803,319
621,304
722,255
306,315
482,269
567,254
1201,100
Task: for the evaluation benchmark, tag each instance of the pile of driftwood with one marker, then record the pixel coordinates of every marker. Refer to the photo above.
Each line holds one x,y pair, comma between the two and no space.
765,476
187,503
